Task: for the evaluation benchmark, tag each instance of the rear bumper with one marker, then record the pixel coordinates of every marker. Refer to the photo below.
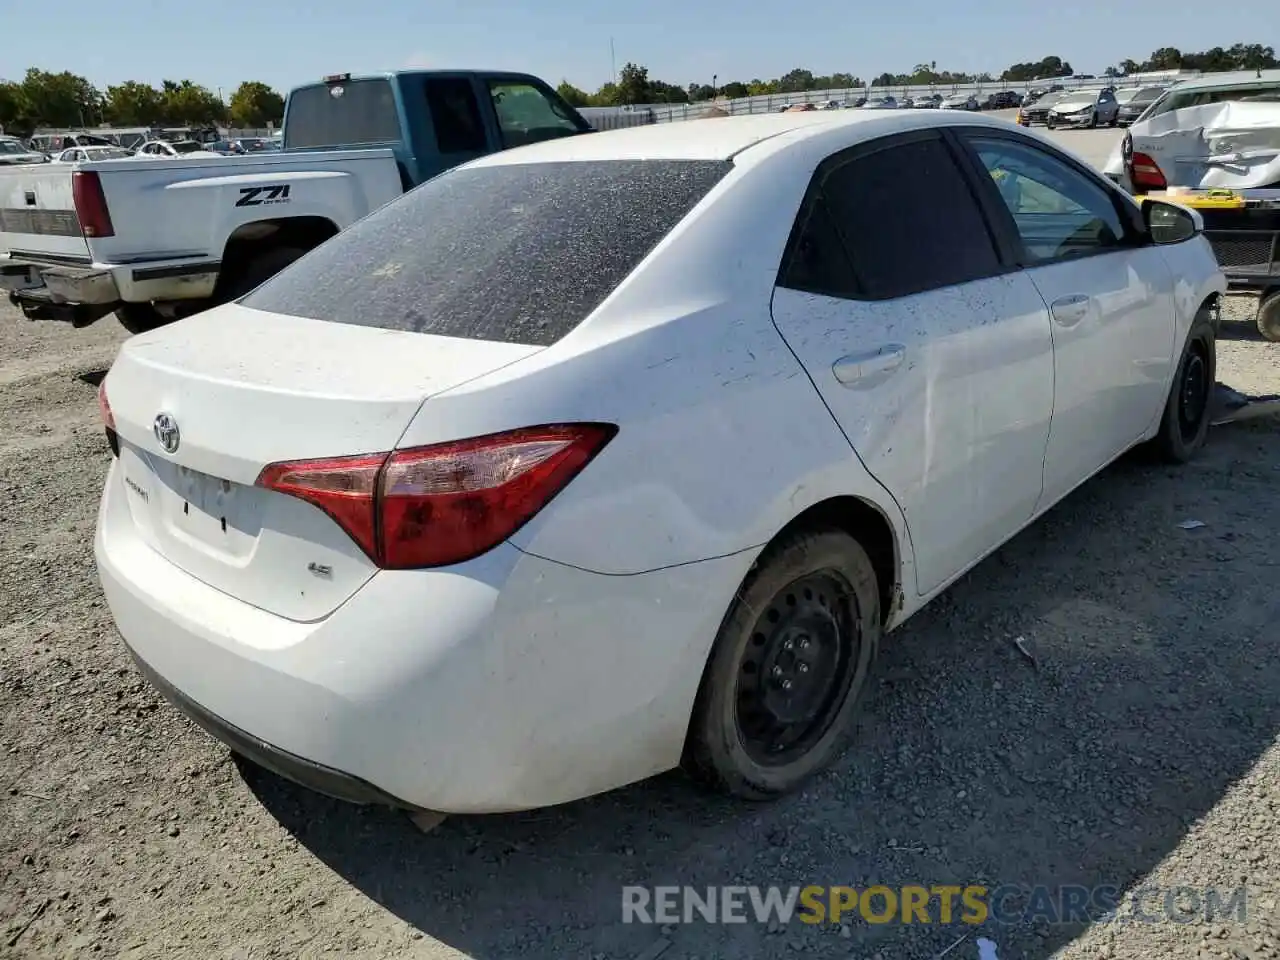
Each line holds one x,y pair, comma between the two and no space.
98,284
505,683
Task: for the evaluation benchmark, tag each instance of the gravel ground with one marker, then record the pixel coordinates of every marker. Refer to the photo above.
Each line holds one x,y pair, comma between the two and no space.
1140,747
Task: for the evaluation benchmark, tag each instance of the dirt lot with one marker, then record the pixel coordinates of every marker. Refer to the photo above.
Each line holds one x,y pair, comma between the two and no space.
1141,746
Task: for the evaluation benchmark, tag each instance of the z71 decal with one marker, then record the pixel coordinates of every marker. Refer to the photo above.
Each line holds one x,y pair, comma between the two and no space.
259,196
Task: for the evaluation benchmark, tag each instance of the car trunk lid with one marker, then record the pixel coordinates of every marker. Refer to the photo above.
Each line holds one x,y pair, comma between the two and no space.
235,389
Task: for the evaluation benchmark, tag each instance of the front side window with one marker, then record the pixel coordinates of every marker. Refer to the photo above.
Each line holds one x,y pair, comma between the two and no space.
1057,211
527,114
909,220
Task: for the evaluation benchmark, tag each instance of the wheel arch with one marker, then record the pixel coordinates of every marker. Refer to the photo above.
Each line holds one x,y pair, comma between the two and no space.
249,240
866,523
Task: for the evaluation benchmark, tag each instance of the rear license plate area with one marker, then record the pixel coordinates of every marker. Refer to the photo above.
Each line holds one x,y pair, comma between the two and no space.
204,507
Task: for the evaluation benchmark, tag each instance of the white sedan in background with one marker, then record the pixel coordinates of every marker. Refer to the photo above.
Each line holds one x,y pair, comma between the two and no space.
84,154
175,149
567,492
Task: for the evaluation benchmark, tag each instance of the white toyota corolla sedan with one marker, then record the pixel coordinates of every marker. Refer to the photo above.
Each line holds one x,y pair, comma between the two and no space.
621,452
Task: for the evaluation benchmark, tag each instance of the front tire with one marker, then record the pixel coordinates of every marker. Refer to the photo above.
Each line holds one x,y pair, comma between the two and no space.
1185,425
788,667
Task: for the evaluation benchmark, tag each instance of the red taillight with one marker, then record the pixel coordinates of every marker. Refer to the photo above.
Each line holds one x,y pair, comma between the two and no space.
443,504
108,418
1145,173
91,205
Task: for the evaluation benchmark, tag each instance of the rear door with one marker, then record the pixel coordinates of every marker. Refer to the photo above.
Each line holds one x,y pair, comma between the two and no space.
933,355
1110,295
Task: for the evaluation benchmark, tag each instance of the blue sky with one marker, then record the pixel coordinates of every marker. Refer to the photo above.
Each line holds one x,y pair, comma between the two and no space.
285,43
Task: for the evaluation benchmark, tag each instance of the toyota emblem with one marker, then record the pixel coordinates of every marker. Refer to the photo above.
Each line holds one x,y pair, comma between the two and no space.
166,430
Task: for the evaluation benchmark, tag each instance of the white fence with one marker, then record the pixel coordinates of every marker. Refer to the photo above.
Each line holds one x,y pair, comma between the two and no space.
772,102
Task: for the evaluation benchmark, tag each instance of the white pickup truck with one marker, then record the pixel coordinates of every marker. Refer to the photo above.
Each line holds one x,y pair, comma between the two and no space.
153,240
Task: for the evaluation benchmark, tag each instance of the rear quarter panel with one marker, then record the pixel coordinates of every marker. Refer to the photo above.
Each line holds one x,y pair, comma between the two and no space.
174,208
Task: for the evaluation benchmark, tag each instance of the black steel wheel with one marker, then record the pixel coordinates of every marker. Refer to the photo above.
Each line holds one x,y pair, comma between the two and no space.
1194,392
795,673
1184,427
781,686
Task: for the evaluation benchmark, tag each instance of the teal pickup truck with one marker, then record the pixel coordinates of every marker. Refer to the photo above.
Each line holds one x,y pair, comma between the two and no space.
79,241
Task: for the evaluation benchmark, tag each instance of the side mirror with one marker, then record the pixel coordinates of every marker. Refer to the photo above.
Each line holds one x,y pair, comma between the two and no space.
1170,223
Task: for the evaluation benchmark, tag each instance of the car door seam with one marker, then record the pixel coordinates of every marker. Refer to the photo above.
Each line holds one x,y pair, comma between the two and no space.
834,419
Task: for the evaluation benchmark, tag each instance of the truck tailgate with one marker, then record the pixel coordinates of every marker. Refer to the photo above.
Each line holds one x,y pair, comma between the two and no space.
37,215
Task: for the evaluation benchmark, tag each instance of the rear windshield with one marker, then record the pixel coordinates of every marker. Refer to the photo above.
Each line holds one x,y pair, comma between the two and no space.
342,114
519,253
1180,100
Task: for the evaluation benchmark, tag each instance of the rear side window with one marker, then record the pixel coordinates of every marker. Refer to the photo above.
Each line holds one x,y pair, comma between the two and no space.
519,253
909,220
455,115
351,113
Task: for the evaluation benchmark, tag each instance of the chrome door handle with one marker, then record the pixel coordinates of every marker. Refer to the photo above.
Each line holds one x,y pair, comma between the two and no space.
863,369
1068,311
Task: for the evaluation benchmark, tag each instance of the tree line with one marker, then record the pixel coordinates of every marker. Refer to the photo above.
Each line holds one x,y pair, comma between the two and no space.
62,100
65,100
634,86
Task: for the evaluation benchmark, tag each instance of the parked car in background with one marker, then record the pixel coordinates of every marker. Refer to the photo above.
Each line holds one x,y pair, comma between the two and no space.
929,101
857,102
13,152
831,105
85,154
1003,100
960,101
880,102
1232,118
1084,108
1036,110
226,148
52,143
363,524
1134,102
165,149
254,144
906,103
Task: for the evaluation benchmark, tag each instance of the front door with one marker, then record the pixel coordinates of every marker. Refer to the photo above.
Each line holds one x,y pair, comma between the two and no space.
934,357
1110,295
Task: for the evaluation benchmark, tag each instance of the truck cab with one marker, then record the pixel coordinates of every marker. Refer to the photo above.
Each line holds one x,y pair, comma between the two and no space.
431,120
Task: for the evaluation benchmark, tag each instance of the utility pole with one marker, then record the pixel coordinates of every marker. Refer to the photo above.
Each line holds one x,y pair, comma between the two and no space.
613,62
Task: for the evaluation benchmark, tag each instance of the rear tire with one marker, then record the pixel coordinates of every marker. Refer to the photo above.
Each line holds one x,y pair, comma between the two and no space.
781,688
141,317
1185,425
1269,316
